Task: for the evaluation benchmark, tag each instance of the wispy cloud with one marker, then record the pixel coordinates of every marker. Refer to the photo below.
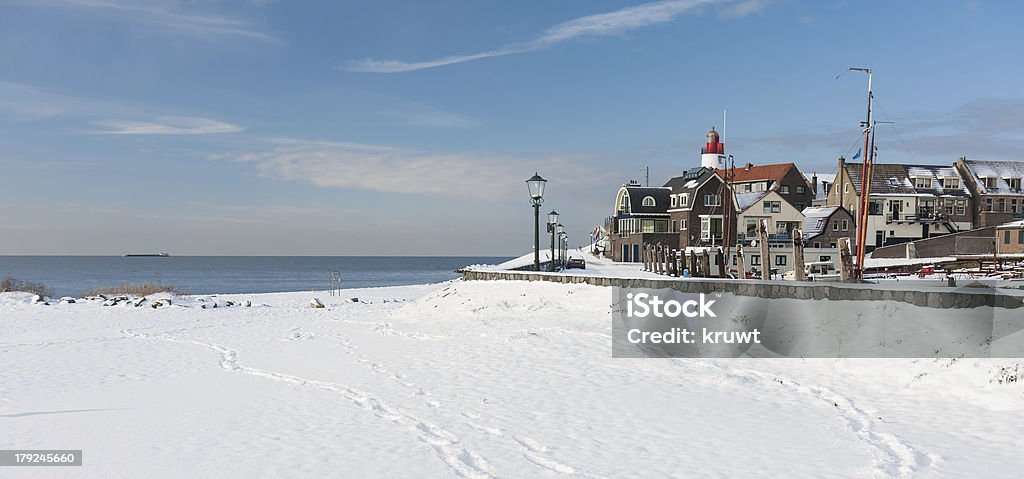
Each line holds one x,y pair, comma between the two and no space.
27,102
476,176
168,16
429,117
166,125
604,24
746,7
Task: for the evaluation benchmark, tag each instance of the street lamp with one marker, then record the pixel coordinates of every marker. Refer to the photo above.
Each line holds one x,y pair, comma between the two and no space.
552,220
560,230
536,185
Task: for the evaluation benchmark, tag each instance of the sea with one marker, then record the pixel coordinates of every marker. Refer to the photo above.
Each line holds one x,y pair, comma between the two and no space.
75,275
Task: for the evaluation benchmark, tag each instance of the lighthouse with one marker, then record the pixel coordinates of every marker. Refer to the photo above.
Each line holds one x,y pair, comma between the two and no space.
713,154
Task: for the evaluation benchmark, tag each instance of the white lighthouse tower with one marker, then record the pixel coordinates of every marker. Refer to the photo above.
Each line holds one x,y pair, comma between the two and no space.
713,154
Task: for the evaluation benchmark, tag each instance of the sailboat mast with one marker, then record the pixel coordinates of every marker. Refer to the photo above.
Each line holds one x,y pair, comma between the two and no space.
864,184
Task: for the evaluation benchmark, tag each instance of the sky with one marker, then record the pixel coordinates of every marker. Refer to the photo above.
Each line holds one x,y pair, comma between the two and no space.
302,127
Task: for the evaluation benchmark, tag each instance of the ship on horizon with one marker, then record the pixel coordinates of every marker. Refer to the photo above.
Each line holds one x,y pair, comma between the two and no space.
148,255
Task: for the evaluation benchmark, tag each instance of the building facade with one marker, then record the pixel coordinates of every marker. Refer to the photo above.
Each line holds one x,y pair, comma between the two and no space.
995,187
640,216
906,202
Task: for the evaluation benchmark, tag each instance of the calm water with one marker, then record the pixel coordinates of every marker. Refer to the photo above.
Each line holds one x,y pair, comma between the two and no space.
73,275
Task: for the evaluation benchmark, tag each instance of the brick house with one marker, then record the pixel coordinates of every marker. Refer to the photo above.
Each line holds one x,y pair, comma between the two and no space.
640,216
696,209
1010,238
782,178
996,189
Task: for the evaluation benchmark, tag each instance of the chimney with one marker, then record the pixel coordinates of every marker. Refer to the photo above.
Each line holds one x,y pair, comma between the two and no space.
748,166
814,185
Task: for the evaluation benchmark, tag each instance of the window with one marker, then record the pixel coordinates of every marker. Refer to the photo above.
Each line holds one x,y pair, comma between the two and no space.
835,226
821,224
989,182
682,225
961,207
673,230
1020,237
755,260
1013,205
746,188
1013,183
684,199
846,188
801,189
780,260
784,189
832,244
894,182
771,206
648,201
817,244
988,204
950,183
846,225
624,202
922,182
824,258
949,207
1001,204
1006,237
712,200
673,201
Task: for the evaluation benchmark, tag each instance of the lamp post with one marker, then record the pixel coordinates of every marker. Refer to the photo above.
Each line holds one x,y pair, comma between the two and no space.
560,230
536,186
552,220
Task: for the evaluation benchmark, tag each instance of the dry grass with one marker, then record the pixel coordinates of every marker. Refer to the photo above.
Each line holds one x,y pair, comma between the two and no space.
142,289
10,284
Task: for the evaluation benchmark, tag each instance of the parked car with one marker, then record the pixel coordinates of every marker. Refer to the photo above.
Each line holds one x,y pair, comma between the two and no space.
574,262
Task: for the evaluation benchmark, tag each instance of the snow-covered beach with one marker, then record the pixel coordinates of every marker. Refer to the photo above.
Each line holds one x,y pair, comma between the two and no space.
468,379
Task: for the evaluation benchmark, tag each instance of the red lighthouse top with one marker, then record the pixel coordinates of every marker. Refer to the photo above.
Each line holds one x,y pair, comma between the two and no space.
713,145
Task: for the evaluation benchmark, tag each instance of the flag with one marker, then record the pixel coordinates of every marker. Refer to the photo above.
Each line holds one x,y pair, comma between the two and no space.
857,155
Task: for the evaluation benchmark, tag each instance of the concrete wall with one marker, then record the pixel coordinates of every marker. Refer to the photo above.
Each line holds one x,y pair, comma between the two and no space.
928,297
971,242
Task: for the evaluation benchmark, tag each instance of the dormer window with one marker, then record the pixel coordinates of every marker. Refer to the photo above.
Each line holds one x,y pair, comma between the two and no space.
1013,183
950,183
922,182
990,182
648,201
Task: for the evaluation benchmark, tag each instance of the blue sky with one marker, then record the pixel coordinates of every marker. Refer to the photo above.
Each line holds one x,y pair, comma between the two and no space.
373,127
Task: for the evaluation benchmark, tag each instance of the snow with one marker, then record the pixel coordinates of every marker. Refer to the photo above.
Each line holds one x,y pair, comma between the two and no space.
468,379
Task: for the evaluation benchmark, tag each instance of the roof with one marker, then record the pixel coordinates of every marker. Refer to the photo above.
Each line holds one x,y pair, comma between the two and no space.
1011,225
996,169
691,180
748,199
758,172
638,193
895,179
823,179
811,217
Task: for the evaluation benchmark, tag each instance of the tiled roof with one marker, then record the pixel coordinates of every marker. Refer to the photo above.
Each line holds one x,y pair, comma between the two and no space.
895,179
811,217
996,169
690,180
758,172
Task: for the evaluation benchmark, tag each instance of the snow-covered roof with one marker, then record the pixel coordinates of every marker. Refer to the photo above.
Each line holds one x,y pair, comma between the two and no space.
999,170
816,219
748,199
1012,225
823,179
899,179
